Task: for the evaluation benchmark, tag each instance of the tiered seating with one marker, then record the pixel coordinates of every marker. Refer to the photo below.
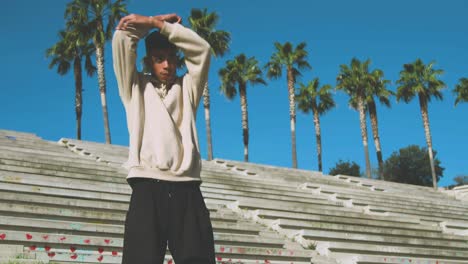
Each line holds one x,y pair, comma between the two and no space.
68,204
379,222
65,202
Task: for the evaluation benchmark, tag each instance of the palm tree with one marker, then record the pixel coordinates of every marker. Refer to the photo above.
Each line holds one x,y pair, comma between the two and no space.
293,60
96,20
204,23
240,71
422,80
354,81
461,90
70,50
376,89
319,101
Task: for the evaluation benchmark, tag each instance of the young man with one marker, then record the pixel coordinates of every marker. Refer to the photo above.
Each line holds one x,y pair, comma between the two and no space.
166,206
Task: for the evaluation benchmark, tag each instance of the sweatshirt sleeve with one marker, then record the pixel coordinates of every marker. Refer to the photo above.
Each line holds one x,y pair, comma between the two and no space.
124,45
197,56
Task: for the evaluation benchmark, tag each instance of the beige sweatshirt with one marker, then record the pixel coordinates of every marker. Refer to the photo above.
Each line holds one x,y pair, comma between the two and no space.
163,137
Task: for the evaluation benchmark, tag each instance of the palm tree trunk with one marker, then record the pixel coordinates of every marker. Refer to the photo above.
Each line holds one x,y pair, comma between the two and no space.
245,120
102,89
375,133
206,105
318,137
78,92
292,114
362,119
427,130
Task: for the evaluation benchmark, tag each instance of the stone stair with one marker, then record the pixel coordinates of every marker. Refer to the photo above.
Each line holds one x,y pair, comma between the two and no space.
65,202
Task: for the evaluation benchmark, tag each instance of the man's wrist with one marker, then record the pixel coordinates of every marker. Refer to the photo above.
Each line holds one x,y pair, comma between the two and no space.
155,22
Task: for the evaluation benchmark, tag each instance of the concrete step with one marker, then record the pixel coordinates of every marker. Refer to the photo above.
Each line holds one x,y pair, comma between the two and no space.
399,210
33,240
371,249
38,152
32,188
281,172
90,144
125,198
231,254
73,161
107,231
347,188
21,261
17,196
292,191
385,240
98,184
268,177
90,215
36,147
456,215
453,215
298,225
390,197
18,134
121,188
319,216
311,229
97,209
210,193
390,259
56,170
65,247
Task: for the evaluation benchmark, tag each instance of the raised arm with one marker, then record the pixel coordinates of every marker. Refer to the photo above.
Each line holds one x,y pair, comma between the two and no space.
197,56
124,45
196,50
129,31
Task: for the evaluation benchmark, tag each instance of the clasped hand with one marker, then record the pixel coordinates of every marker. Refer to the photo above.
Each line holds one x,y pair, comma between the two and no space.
147,21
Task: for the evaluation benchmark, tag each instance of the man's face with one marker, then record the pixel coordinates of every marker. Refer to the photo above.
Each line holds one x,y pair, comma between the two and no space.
163,63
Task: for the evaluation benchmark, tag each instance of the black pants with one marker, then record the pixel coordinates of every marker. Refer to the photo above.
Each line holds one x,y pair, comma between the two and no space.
163,213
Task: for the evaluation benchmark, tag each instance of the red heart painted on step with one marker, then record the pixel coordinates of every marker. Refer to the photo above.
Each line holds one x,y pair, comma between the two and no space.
107,241
29,236
72,248
33,247
115,253
2,236
47,248
62,238
100,258
221,249
74,256
45,237
51,254
219,258
87,241
170,261
100,250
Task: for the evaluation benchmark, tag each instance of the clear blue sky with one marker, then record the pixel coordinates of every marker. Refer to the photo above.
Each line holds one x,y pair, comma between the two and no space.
37,100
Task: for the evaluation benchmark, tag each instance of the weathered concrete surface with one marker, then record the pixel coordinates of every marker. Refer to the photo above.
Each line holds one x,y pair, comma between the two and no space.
65,202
